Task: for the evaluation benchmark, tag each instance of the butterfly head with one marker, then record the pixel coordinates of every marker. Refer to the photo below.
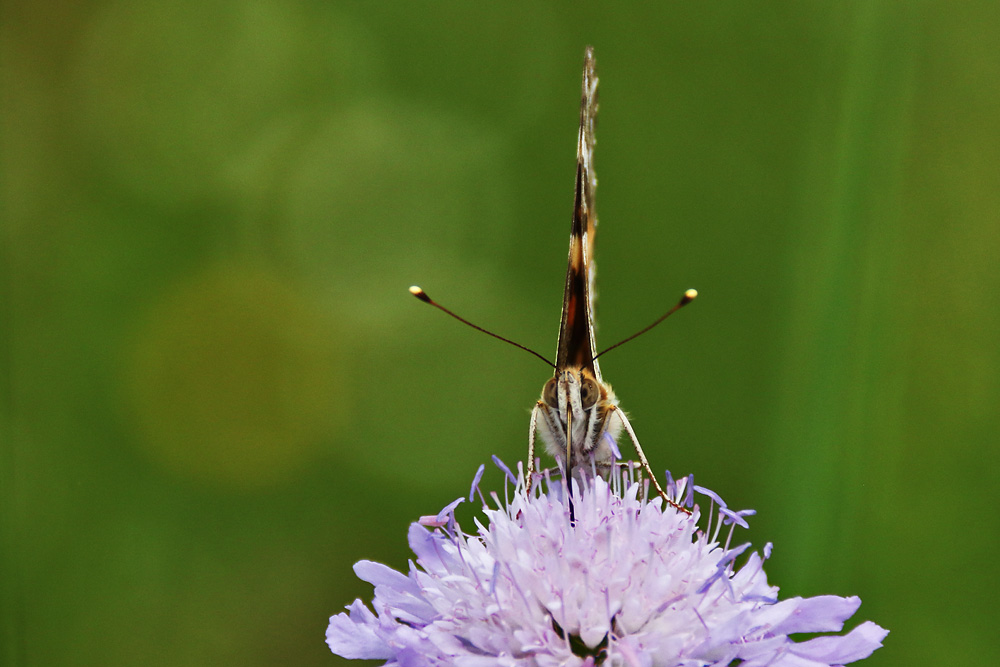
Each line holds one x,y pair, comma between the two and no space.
576,408
575,388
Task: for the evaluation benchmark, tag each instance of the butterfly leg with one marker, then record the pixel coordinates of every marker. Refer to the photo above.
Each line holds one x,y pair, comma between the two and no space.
645,463
532,430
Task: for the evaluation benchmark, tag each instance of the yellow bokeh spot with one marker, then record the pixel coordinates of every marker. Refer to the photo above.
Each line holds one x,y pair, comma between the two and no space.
234,378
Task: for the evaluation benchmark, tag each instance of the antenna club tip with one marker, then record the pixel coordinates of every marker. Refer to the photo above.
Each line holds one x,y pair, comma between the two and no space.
416,291
689,296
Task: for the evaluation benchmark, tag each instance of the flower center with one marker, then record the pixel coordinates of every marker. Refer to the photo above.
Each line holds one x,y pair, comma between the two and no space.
580,649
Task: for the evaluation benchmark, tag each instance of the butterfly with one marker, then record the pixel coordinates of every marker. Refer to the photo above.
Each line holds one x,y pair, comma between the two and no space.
578,416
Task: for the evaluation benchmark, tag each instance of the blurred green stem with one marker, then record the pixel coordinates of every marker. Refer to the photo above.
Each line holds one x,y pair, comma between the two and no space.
840,386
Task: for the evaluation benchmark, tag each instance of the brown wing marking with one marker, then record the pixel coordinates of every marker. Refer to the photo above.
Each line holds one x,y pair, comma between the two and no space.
576,332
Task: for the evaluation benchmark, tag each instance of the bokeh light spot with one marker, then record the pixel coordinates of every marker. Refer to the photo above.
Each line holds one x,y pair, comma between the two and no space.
234,378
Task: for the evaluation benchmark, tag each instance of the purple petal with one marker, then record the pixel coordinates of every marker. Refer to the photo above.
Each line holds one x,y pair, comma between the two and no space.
500,464
493,578
378,574
722,567
689,491
671,485
395,590
711,494
823,613
768,651
613,444
448,509
733,517
425,544
435,552
353,637
475,481
857,644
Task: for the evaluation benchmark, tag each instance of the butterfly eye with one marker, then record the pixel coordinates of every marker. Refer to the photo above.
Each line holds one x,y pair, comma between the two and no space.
588,392
549,394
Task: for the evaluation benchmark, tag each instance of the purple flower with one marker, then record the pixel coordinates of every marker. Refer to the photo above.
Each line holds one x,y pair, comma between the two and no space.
626,582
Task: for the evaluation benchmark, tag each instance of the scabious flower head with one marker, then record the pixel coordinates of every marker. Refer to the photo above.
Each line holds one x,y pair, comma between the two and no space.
599,577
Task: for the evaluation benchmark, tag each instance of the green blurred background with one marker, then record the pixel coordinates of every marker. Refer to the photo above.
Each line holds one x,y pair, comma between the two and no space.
218,395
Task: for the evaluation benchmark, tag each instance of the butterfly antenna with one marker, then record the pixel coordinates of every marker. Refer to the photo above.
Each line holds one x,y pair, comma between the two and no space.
422,295
688,297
